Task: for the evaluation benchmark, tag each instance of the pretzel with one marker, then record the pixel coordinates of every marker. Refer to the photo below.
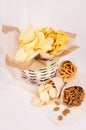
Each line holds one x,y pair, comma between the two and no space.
67,70
73,96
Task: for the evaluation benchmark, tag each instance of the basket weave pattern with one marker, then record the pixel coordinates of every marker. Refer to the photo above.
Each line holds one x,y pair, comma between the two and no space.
40,75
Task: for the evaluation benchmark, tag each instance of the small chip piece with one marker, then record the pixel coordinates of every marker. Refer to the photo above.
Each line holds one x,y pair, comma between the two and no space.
44,96
65,111
21,55
56,108
52,92
60,117
56,102
35,101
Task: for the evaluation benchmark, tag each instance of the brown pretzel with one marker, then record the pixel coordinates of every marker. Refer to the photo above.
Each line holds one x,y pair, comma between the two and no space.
67,70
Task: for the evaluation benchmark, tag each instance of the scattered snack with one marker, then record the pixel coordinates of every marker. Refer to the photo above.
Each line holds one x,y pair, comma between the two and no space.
45,94
66,111
56,108
67,70
60,117
73,96
56,102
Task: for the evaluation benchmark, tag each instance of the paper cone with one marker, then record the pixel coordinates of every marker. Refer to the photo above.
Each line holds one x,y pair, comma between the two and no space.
59,84
74,82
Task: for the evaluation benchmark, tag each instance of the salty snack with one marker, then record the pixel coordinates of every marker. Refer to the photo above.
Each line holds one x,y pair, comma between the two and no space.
73,93
56,108
67,70
66,111
56,103
63,112
34,43
60,117
73,96
44,40
47,92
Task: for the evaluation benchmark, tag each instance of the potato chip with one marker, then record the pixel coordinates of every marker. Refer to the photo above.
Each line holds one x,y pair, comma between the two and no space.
21,55
46,93
36,101
29,48
44,97
44,30
40,39
62,37
52,34
57,48
49,30
40,89
52,92
30,45
27,35
45,40
46,45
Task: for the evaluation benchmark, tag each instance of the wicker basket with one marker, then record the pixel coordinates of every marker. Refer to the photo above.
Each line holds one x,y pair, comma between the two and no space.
40,75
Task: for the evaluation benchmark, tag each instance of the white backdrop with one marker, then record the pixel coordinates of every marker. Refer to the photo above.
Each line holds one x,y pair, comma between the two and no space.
16,113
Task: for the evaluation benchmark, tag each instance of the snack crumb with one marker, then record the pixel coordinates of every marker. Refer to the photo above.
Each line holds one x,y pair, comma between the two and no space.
60,117
56,102
66,111
56,108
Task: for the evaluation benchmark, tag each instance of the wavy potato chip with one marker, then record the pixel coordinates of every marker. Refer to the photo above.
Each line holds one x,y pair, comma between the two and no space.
27,35
44,96
21,55
46,44
40,38
52,92
29,48
35,101
62,37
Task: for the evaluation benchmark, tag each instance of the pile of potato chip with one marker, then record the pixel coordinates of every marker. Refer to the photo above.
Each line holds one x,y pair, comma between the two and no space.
45,94
45,40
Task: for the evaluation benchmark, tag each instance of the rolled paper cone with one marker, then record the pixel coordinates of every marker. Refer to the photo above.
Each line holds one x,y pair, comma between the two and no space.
74,82
59,84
